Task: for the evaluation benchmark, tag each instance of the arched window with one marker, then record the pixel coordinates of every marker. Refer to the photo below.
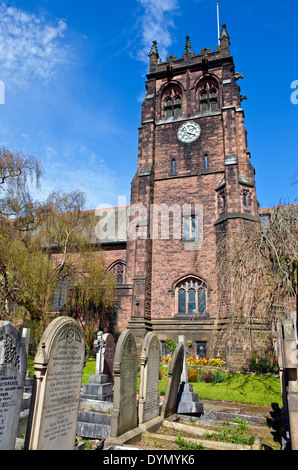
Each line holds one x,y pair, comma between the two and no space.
172,101
191,297
61,293
118,270
208,95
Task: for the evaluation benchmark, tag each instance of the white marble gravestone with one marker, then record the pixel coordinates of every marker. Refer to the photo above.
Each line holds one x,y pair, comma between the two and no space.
58,365
13,365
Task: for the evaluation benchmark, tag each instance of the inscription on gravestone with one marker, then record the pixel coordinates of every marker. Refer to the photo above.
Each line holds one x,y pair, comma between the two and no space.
13,364
149,397
124,417
58,367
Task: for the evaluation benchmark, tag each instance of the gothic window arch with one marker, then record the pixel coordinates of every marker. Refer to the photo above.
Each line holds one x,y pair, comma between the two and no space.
208,94
118,269
191,297
172,101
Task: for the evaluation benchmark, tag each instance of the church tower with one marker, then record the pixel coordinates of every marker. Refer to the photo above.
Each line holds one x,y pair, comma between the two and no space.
194,179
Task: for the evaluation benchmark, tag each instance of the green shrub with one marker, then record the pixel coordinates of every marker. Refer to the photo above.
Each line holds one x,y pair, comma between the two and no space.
262,366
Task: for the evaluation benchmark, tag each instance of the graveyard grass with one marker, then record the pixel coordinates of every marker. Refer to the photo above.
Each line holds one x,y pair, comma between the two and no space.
236,387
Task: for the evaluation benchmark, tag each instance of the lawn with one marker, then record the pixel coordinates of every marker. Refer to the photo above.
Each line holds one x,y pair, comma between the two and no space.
240,388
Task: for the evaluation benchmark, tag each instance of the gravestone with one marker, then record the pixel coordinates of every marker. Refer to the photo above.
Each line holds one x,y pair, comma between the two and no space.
13,365
175,369
287,350
149,378
92,425
187,401
99,387
108,356
124,419
58,365
29,380
98,393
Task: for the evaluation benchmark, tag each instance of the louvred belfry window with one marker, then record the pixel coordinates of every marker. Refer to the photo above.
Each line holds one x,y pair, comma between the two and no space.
172,101
208,95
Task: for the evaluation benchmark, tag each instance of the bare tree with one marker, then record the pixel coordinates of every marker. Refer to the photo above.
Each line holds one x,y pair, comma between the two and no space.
255,276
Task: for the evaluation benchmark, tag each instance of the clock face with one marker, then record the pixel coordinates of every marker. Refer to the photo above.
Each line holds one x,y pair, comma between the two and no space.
189,132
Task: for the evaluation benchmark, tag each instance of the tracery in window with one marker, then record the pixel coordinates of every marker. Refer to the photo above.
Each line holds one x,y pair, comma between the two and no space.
191,297
208,95
62,292
118,270
172,101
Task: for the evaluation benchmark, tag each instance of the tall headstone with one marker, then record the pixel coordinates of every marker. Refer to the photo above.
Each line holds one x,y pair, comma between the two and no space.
149,378
108,356
187,400
13,365
58,365
175,369
124,416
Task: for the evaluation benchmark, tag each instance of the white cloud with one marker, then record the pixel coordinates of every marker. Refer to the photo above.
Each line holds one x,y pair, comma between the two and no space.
157,24
83,169
29,46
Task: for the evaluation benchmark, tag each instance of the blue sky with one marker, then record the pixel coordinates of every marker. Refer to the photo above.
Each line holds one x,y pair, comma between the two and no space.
74,77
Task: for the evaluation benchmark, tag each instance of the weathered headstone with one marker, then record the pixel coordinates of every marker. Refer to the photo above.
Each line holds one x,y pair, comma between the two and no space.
58,365
175,369
187,400
124,417
149,378
108,356
13,365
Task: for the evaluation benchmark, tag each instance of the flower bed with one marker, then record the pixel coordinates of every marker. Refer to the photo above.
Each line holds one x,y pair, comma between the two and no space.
201,362
192,361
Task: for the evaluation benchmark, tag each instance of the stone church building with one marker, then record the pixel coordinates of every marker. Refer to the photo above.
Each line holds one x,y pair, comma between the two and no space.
194,180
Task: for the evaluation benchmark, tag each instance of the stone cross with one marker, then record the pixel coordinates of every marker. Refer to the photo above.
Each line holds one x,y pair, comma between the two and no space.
99,344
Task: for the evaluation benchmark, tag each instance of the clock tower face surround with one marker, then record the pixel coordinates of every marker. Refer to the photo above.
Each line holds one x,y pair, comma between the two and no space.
189,132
